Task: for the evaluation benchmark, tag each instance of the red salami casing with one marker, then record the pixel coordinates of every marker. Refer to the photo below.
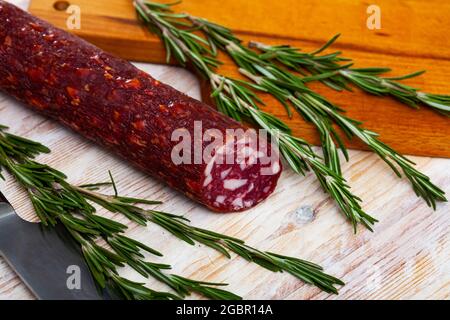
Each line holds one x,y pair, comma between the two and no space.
111,102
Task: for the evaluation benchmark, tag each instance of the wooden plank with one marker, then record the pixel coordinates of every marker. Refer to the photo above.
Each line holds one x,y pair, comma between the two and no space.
406,257
413,37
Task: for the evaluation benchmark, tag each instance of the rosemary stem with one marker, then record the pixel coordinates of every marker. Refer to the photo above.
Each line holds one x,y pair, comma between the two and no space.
236,99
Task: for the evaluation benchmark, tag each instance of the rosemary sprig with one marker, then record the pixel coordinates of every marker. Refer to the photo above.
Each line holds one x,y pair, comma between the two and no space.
328,68
55,200
319,111
180,227
236,99
289,87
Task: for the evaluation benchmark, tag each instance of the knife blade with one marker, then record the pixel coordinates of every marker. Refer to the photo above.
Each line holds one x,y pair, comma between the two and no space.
46,259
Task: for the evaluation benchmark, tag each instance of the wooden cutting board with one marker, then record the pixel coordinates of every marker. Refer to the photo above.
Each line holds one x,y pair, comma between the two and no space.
413,36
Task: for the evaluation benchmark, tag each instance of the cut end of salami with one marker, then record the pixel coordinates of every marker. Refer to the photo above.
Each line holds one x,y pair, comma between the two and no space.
249,179
111,102
239,191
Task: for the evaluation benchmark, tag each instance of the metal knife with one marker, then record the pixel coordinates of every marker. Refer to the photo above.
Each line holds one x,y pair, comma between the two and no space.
46,259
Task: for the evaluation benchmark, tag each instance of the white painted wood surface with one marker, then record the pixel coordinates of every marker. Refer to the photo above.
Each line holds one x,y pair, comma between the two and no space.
406,257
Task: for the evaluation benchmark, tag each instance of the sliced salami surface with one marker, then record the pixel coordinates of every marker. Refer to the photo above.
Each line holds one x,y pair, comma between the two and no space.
109,101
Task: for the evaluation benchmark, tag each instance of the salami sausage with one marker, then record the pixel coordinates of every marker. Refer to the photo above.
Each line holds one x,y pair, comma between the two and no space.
111,102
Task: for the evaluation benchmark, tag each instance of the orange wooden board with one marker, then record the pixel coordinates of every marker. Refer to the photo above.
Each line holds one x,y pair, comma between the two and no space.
413,36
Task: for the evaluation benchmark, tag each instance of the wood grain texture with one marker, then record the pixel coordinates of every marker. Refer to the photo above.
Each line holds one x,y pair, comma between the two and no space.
407,257
413,37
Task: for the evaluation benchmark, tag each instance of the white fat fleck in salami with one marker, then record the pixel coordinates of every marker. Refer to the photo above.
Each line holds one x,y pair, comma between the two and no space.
276,168
248,203
220,199
209,166
207,181
248,157
233,184
225,173
237,203
208,169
